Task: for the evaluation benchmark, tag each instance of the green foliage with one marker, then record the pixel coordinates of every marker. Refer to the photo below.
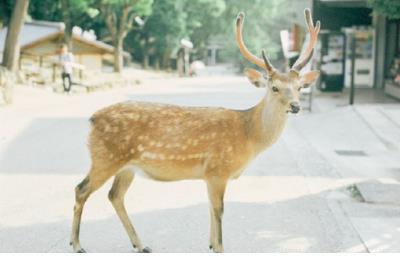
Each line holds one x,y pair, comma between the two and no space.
6,7
139,7
79,11
389,8
264,20
172,21
119,15
203,21
167,22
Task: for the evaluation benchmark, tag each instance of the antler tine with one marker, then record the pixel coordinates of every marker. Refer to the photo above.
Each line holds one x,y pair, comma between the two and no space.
267,63
245,52
306,55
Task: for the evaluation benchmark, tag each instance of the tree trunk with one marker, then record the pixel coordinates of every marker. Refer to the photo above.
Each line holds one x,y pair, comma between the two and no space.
145,53
12,47
166,60
118,54
145,60
68,24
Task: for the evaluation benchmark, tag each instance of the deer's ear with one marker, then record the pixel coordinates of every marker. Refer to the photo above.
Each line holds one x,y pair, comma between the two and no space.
255,77
309,78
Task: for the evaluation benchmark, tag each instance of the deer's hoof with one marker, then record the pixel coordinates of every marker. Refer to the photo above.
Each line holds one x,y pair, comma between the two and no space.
146,250
216,250
81,251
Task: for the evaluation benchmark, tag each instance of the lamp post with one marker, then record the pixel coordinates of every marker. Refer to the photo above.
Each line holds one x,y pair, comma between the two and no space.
353,63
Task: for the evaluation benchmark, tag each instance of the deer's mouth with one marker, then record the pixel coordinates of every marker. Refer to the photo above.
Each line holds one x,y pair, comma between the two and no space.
293,111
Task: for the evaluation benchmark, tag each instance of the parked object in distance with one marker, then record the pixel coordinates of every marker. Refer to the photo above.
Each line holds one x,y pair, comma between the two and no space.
196,68
172,143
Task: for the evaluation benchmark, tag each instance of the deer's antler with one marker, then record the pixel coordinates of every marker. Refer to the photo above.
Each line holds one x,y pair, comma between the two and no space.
307,53
265,64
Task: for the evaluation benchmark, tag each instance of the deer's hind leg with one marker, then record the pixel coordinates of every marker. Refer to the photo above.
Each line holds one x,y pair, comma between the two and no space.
116,195
98,175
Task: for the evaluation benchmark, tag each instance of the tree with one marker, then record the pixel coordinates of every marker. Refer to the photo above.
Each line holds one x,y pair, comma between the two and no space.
171,21
264,21
389,8
71,12
74,12
161,33
204,20
120,17
6,7
12,46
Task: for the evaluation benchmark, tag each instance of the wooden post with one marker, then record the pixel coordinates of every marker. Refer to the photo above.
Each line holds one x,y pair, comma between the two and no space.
54,72
20,62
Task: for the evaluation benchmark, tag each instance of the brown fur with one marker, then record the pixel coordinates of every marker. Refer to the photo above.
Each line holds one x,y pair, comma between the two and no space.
174,143
171,142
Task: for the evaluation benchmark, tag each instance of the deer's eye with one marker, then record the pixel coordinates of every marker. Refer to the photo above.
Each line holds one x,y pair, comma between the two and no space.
275,89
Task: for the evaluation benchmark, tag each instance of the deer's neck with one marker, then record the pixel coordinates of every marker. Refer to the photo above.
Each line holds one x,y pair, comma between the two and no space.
267,121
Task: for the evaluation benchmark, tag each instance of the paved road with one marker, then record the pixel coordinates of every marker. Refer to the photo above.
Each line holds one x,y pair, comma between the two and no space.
292,198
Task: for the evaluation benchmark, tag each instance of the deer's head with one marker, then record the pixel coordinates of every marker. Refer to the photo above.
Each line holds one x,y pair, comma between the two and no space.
282,88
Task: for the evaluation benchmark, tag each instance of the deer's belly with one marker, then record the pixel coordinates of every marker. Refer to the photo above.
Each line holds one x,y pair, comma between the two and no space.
170,172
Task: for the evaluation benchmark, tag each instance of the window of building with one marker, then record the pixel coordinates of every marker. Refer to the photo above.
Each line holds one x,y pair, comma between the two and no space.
393,52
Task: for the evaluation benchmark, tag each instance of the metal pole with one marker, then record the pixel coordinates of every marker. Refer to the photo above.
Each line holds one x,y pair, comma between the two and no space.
353,62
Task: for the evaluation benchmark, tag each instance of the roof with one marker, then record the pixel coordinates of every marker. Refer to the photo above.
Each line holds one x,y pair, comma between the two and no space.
33,31
37,32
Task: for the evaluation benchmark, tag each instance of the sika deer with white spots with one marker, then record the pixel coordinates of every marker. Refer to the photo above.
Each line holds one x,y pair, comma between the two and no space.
171,143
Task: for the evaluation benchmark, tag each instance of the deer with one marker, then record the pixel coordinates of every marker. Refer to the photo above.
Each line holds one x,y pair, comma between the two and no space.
171,143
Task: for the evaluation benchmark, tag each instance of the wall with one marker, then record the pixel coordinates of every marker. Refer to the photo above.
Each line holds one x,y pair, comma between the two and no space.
91,62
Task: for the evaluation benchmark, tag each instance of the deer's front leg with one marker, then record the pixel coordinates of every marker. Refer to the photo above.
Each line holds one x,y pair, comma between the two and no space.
212,229
216,191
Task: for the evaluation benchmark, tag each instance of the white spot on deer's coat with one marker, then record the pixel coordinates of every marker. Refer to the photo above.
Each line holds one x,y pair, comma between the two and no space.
161,156
148,155
134,116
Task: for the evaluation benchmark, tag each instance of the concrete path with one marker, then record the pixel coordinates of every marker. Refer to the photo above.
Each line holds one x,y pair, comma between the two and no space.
292,198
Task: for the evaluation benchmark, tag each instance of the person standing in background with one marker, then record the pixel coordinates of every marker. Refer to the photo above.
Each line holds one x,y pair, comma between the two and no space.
66,61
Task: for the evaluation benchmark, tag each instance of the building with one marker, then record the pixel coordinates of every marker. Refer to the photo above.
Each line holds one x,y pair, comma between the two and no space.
41,40
344,15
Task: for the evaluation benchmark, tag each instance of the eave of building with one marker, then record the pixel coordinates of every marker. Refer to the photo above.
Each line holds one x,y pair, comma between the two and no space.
345,3
102,47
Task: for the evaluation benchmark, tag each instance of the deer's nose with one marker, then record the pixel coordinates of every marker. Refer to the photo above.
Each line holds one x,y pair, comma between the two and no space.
294,107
